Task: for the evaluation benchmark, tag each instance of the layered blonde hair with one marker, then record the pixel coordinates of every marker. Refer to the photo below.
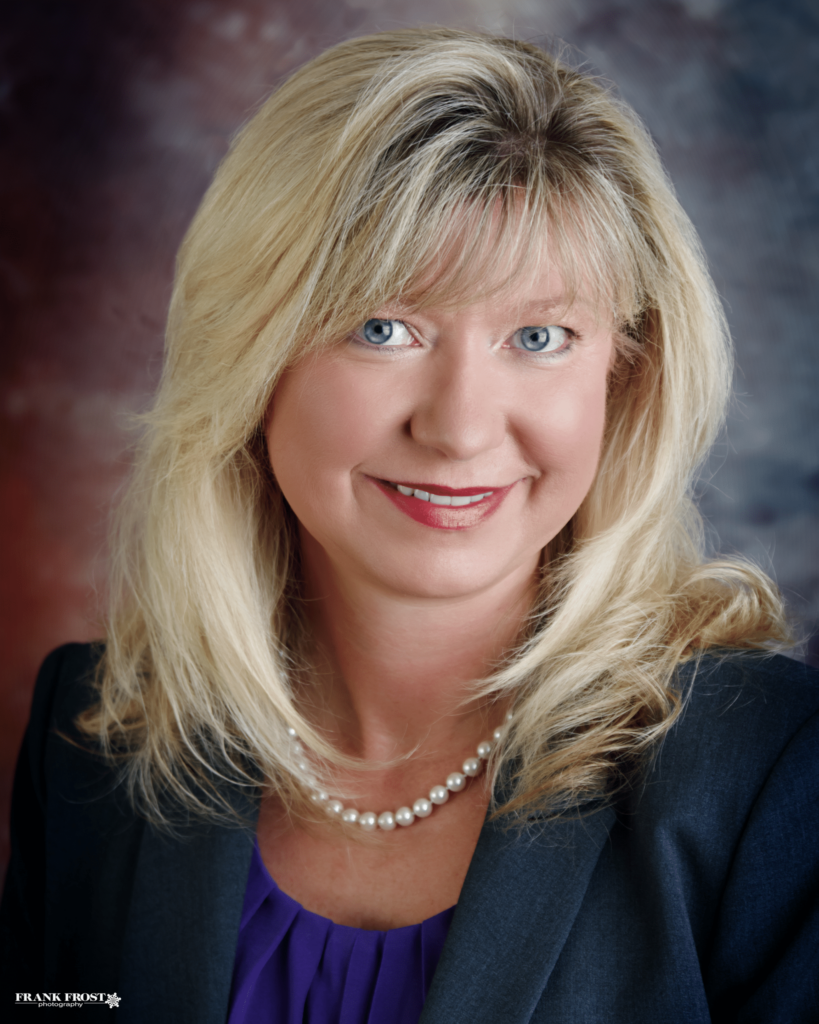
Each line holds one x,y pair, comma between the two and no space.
334,199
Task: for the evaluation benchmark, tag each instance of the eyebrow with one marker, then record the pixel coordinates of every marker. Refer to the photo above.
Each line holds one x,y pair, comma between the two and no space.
537,307
540,310
536,312
550,305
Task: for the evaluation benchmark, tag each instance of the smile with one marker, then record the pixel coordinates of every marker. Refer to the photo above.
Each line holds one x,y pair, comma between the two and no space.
444,508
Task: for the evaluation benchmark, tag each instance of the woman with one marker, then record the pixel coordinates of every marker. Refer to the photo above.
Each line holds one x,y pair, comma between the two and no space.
413,637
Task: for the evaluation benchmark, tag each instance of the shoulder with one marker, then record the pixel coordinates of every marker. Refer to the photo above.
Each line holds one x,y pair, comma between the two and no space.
741,712
747,738
84,809
65,687
788,689
65,682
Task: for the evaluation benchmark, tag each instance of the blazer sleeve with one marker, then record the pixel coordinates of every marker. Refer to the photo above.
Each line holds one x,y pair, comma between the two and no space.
22,910
764,967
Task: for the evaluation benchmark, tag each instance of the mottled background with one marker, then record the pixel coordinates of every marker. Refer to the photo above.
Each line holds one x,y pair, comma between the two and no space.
114,116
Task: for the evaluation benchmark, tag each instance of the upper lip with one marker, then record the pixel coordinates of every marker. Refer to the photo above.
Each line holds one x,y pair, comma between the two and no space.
467,492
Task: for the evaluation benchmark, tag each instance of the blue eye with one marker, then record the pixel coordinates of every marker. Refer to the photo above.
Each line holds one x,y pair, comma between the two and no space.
541,339
385,333
378,332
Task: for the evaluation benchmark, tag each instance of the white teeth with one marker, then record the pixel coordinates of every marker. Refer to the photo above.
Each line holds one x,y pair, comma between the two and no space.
456,500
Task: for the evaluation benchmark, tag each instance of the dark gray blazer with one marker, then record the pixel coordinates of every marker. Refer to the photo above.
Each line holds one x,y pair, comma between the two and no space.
695,899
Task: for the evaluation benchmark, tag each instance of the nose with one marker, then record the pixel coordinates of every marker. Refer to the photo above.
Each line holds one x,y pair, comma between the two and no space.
460,410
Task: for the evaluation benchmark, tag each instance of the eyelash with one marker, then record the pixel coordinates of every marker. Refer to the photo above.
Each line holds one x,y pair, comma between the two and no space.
571,339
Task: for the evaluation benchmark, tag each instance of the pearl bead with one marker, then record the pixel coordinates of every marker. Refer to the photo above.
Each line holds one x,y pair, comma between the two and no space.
404,816
455,782
422,808
509,716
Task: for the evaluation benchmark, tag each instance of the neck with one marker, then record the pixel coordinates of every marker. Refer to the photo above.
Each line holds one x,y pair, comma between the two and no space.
396,670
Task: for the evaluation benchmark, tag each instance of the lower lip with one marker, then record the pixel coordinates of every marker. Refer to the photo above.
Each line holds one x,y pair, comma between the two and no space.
445,517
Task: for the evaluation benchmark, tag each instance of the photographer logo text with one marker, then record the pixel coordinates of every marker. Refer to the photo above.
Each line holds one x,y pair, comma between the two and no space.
66,999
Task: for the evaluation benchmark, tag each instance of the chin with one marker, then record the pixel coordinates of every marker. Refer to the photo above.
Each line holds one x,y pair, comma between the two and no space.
447,576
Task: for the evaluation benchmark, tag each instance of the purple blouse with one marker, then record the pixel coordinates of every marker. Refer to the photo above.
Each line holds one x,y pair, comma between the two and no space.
295,967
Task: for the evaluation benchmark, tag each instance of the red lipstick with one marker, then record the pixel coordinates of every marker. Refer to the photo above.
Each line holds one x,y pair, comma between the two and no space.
444,517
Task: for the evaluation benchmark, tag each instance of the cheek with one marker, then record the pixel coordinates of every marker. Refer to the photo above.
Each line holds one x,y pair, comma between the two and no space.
322,423
567,437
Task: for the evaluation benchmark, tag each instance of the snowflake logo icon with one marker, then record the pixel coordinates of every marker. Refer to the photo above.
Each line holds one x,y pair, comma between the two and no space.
113,1001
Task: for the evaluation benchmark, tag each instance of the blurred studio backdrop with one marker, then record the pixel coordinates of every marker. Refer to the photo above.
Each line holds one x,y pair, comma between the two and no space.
114,116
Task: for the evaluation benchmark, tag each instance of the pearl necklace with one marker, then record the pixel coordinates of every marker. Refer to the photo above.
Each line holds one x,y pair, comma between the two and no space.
422,808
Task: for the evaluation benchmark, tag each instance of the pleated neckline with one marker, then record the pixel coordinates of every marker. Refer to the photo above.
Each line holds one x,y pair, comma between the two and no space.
296,967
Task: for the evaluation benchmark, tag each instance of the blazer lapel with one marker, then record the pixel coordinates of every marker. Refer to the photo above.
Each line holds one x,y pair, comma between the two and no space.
183,924
518,903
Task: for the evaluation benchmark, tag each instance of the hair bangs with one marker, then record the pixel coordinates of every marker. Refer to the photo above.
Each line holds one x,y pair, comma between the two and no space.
476,230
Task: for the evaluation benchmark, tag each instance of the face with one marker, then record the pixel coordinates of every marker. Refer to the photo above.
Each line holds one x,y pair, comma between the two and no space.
436,453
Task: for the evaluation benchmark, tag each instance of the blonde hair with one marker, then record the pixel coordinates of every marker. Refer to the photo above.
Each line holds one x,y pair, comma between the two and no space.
330,202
